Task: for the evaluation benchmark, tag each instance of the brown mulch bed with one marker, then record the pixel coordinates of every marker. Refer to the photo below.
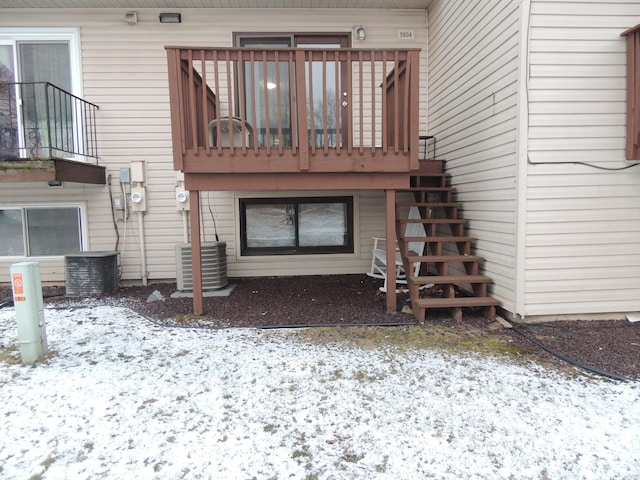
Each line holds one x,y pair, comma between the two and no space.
612,347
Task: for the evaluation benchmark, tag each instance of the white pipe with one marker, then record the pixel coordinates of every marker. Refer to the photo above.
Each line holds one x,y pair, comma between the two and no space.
125,218
185,226
143,252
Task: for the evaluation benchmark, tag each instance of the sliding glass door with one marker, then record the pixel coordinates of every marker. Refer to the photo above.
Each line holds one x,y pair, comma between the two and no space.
26,119
267,90
9,136
269,100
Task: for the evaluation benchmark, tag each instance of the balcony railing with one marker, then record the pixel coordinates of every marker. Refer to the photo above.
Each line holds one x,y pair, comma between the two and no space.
246,110
40,120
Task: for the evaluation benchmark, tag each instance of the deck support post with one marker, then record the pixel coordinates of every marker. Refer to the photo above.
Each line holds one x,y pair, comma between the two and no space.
392,296
196,244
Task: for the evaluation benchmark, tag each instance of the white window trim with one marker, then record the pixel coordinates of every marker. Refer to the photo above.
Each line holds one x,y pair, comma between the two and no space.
84,231
71,35
312,256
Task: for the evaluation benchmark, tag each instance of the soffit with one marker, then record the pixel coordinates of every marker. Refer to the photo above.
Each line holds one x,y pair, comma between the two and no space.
176,4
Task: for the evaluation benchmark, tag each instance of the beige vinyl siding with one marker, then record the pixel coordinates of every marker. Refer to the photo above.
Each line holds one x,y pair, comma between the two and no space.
124,71
583,224
473,74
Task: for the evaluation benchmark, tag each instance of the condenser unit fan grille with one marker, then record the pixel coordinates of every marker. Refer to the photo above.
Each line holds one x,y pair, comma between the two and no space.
214,266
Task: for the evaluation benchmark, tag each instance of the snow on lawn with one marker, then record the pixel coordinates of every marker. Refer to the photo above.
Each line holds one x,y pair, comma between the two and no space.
120,397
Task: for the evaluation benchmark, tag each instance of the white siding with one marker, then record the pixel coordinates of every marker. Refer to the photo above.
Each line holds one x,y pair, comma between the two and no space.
124,71
473,74
583,224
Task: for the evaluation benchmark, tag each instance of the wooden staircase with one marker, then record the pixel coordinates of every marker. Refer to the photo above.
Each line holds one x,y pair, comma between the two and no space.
447,255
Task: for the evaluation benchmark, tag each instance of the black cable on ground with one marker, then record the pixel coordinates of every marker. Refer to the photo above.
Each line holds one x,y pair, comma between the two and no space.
597,371
160,323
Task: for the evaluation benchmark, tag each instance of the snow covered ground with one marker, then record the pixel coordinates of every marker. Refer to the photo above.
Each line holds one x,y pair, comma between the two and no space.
120,397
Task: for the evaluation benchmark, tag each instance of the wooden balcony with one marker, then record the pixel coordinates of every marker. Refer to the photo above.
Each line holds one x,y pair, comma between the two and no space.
47,135
244,118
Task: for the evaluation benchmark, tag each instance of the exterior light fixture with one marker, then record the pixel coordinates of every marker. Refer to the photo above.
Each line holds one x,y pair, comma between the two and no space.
170,18
361,32
131,18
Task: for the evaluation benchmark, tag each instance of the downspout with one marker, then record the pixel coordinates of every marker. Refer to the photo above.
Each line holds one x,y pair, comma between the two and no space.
143,250
185,226
522,153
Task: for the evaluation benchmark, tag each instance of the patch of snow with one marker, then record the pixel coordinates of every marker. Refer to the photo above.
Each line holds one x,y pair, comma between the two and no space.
633,317
120,397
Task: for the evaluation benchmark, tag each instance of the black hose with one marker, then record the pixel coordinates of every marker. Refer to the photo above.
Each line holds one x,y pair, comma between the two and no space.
597,371
175,324
159,323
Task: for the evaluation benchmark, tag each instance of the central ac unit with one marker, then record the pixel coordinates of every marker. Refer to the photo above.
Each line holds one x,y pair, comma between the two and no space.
214,266
90,273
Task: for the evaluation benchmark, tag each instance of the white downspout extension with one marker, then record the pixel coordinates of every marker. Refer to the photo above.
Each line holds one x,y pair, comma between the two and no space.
185,226
143,250
522,154
139,204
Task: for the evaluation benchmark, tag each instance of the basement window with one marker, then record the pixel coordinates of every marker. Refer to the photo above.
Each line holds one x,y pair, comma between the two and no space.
296,225
40,231
633,93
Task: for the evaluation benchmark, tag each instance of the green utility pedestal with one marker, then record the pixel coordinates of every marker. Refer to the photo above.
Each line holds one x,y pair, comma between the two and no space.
27,298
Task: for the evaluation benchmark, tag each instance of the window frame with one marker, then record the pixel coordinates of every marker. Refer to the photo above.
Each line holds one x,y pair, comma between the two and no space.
53,34
300,40
349,248
82,227
13,37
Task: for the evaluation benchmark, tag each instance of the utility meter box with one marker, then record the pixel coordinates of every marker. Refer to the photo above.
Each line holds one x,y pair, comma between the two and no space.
29,306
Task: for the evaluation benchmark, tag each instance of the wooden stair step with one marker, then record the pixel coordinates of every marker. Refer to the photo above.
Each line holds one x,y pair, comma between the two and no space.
449,279
429,204
426,189
462,302
418,175
431,239
444,258
433,221
428,174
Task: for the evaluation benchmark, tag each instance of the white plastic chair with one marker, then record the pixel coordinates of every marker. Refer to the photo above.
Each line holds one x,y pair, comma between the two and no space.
379,253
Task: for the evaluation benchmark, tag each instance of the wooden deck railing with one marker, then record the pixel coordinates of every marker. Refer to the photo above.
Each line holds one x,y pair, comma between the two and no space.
290,110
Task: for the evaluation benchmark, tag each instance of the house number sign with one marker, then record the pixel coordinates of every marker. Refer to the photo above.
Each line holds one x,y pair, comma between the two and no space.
406,34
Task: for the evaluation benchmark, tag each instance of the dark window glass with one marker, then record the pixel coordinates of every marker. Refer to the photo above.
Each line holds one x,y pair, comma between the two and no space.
289,226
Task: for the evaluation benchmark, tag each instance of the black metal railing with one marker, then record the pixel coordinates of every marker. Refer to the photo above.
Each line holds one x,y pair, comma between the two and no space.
40,120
